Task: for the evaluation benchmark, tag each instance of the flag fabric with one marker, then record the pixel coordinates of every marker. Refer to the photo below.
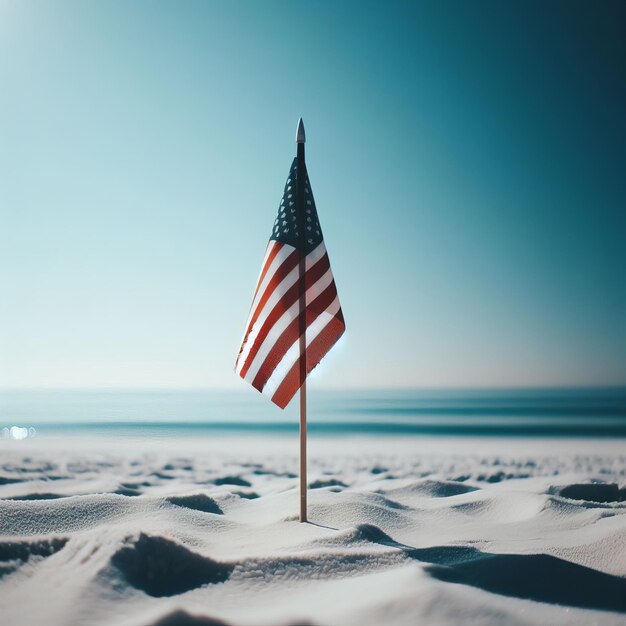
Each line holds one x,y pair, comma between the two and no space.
270,351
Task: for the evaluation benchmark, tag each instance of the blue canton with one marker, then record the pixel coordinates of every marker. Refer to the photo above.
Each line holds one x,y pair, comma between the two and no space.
286,227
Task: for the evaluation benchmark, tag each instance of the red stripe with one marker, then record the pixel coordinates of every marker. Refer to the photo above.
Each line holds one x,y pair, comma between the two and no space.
290,335
287,265
272,255
290,296
315,352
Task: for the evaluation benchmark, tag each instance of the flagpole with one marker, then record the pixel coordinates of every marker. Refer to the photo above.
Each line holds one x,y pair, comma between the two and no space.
300,183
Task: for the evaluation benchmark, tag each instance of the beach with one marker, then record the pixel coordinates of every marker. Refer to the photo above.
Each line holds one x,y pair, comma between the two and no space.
392,232
402,530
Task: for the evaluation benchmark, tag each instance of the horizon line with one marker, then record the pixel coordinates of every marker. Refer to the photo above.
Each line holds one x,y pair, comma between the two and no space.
154,388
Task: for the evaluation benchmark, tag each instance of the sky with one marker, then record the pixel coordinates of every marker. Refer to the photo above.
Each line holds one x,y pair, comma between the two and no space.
467,161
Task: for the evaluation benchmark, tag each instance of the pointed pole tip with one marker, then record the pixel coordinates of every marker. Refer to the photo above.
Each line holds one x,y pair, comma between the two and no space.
300,136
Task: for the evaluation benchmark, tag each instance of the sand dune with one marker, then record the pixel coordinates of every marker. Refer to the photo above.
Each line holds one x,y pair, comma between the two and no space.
146,536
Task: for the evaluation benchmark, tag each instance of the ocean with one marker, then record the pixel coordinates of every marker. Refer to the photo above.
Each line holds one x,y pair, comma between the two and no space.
572,412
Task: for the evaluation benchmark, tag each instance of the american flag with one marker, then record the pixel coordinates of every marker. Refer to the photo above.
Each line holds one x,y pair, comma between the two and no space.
270,351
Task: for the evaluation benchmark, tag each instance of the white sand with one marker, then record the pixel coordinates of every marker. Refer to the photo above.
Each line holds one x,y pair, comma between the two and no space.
410,531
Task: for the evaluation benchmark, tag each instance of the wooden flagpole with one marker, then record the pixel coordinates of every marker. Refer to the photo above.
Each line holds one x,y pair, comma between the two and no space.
300,184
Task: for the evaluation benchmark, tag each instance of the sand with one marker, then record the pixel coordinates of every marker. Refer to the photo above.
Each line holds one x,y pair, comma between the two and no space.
403,531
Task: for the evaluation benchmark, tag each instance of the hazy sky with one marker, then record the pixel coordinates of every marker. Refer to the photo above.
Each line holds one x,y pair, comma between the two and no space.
467,160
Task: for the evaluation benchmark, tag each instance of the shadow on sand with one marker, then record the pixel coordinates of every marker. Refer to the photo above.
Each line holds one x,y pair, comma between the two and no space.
182,618
538,577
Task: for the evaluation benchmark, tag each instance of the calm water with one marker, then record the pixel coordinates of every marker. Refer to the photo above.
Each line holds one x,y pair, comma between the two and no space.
163,413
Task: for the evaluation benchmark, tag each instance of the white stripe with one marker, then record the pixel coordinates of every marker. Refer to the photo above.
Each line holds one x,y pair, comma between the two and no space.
291,356
270,246
286,283
279,259
311,259
314,256
285,319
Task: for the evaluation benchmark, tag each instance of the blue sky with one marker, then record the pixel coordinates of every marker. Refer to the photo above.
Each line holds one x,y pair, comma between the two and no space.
467,161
